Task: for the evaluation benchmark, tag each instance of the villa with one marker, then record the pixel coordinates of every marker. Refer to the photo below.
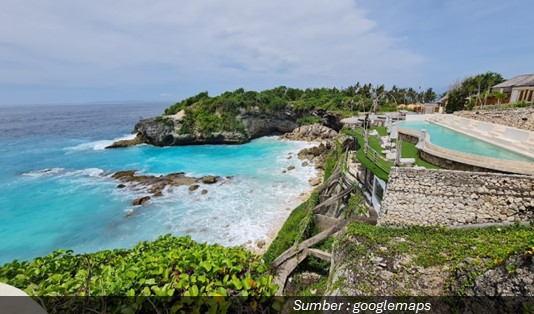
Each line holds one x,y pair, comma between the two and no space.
520,88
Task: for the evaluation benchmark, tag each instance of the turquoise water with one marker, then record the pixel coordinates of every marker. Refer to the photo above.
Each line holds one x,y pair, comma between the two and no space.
450,139
56,190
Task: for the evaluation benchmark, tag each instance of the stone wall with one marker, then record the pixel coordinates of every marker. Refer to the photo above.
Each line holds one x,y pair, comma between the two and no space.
521,118
452,198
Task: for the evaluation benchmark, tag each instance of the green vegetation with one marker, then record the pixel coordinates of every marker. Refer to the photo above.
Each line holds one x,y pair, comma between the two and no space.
431,246
382,170
410,151
168,268
295,229
166,121
211,114
331,160
514,105
356,206
472,91
368,163
308,120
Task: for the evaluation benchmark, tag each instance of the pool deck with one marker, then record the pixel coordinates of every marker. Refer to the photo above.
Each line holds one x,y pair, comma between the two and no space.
516,140
513,139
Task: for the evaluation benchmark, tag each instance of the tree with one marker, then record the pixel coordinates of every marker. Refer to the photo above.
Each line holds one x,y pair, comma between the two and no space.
472,87
500,97
429,95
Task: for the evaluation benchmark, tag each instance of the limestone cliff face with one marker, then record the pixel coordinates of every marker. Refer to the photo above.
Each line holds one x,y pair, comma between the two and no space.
166,130
260,124
155,132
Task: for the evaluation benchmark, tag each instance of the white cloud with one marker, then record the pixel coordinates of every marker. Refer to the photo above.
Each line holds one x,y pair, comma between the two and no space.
108,43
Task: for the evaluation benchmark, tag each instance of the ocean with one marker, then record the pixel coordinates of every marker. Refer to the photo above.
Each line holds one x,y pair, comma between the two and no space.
56,189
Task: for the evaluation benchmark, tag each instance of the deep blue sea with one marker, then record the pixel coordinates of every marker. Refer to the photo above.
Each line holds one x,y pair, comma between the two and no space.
56,190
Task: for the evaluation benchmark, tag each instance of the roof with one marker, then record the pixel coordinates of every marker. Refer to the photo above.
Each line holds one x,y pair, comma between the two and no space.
518,81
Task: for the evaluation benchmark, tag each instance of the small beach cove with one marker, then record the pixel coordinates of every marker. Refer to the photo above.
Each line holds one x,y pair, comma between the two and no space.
60,193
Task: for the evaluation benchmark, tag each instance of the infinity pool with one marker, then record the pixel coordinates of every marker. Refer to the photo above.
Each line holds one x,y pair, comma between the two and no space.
450,139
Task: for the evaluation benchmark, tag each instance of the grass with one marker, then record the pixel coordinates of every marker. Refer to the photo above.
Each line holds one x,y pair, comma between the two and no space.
329,164
382,130
410,151
431,246
360,154
457,256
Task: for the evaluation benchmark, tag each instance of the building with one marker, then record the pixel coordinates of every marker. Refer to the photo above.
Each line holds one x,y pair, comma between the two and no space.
520,88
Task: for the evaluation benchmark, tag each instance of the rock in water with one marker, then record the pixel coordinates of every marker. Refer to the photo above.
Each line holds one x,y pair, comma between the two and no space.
315,181
204,192
260,243
290,168
193,187
209,179
140,200
125,175
126,143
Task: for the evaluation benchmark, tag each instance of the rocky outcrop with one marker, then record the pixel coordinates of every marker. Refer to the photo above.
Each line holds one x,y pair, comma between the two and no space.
166,130
260,124
140,200
126,143
313,132
157,132
315,181
330,120
156,184
209,179
515,277
383,271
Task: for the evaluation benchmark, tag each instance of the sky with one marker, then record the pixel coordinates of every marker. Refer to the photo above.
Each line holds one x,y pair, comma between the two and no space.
74,51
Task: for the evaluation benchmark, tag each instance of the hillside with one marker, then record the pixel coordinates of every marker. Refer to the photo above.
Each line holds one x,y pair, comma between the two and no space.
239,116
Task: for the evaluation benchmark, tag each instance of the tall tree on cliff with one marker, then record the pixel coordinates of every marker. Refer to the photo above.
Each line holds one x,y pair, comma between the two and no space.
472,87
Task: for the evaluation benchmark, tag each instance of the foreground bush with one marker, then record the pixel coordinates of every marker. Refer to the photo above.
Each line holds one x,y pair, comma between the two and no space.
167,269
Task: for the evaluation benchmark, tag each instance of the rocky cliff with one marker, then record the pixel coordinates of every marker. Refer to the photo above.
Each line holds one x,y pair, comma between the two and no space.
168,130
429,261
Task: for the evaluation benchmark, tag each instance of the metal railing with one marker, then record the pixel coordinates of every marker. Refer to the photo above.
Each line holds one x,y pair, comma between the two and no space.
378,159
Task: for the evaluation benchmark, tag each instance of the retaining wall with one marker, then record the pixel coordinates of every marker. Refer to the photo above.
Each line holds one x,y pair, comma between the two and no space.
452,198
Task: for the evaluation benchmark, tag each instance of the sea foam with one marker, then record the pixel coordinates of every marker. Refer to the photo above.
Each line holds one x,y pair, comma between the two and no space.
98,145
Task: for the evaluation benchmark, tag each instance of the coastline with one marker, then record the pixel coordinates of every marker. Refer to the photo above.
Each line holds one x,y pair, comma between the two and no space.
265,242
276,227
122,224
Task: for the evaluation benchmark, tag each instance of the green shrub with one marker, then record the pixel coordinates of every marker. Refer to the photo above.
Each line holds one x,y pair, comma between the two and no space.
356,205
308,120
520,104
169,268
293,229
167,121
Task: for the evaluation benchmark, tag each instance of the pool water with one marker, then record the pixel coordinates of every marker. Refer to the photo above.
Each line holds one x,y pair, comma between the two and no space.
457,141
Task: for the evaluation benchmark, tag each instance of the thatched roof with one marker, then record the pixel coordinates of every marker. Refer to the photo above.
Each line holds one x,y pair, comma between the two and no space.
518,81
